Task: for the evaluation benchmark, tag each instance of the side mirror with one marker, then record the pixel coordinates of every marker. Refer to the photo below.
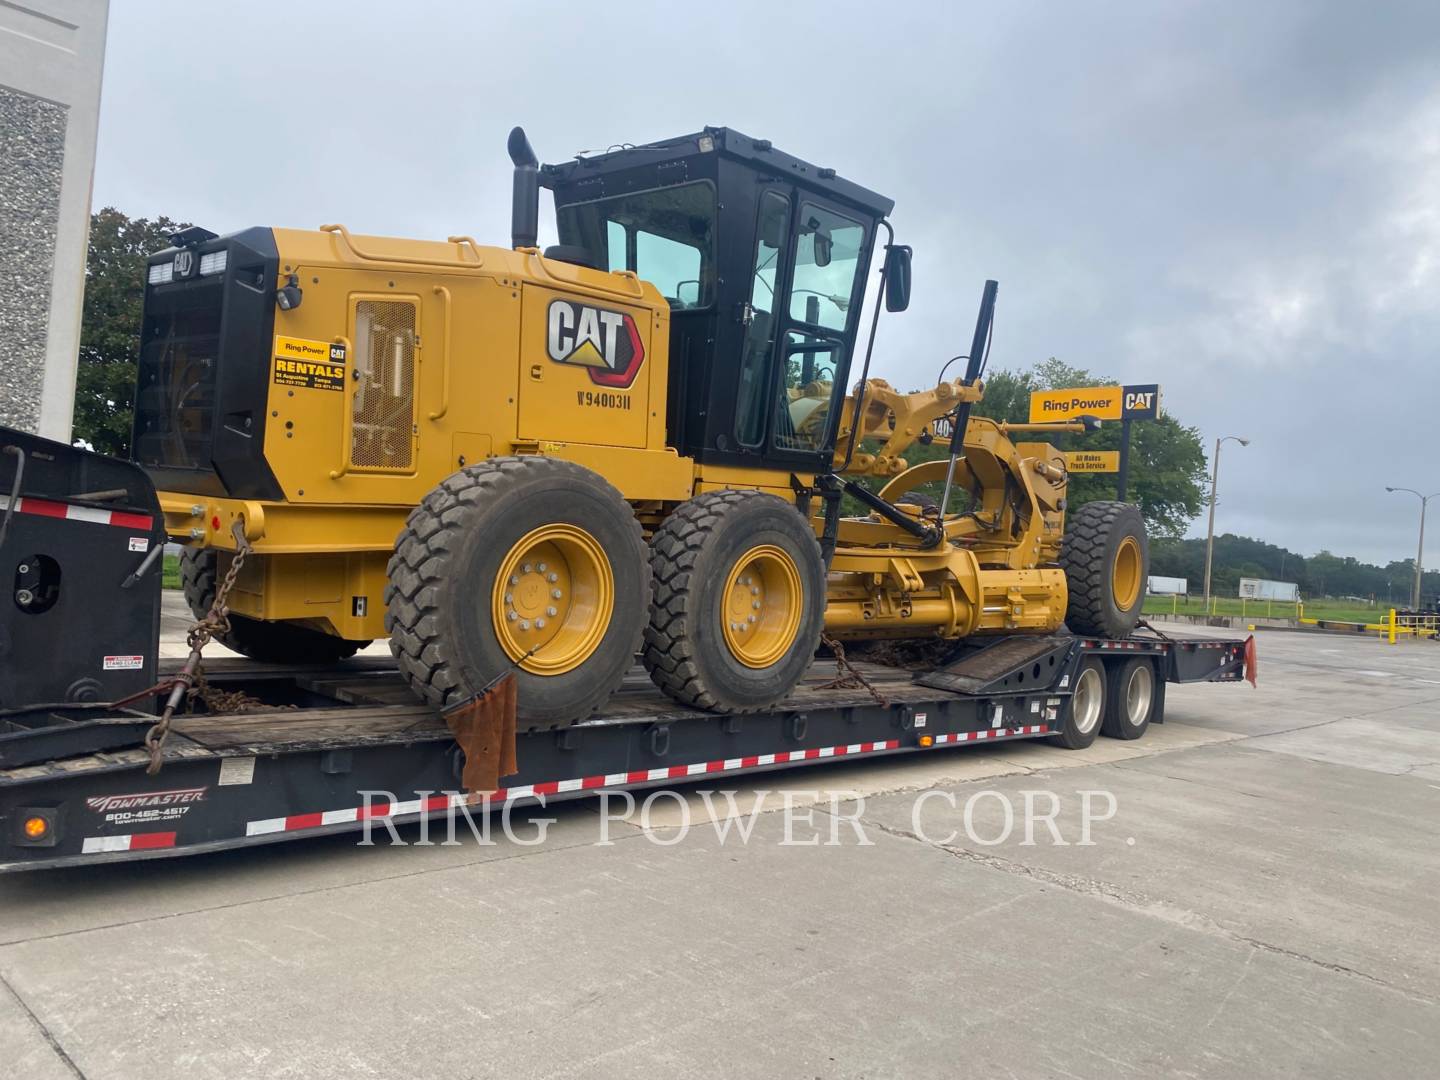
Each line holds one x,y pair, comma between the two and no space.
687,293
824,247
897,277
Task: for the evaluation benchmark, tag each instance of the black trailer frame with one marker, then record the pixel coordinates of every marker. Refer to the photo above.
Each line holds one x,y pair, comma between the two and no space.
348,746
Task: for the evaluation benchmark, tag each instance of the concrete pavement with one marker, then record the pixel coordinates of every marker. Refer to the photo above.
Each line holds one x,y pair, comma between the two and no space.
1260,903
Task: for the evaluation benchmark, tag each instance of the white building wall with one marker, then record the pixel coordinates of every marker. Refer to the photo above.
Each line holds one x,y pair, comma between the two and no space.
52,54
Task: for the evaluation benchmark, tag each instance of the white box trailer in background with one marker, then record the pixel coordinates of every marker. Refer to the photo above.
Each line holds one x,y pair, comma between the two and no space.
1261,589
1166,586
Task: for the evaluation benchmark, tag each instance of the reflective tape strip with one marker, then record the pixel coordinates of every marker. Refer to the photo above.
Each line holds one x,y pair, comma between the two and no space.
145,841
996,733
46,508
296,822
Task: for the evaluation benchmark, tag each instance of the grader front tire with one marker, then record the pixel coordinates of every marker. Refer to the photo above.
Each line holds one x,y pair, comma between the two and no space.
273,642
739,601
1106,558
528,563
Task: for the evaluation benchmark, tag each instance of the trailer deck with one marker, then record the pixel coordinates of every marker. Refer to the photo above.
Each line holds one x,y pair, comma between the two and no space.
346,746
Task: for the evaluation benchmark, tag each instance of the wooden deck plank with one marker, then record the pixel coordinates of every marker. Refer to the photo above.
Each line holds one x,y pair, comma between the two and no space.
379,708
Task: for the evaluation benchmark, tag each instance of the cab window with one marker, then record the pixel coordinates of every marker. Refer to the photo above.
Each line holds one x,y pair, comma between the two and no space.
827,267
750,401
666,236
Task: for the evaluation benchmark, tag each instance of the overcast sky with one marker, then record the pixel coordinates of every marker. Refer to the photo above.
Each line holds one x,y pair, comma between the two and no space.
1238,201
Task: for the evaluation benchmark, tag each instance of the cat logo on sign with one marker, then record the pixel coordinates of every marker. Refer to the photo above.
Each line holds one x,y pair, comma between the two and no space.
606,342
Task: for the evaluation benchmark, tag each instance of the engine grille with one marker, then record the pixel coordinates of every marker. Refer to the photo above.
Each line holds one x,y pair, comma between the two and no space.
382,435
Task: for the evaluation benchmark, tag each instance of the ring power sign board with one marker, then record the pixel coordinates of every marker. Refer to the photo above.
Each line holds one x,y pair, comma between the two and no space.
1138,402
1123,403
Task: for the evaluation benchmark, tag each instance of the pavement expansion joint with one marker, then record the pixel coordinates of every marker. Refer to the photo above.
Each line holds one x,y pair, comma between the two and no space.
45,1032
1141,904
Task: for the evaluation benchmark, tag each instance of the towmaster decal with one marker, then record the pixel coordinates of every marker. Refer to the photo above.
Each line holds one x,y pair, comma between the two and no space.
314,365
146,806
606,343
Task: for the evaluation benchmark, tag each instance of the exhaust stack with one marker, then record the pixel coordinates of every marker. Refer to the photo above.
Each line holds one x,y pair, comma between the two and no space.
525,204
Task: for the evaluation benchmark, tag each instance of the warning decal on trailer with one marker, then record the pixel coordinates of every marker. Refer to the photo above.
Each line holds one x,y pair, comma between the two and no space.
123,663
237,770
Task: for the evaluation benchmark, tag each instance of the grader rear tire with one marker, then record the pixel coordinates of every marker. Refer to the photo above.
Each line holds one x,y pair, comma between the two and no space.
1106,557
524,563
275,642
739,601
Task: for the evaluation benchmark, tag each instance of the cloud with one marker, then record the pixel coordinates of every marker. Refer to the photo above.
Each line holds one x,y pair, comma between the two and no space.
1239,201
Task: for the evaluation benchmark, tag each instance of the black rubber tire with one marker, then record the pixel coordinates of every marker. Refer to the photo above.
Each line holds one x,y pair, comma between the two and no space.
445,562
274,642
1122,719
1080,726
693,554
1093,535
918,498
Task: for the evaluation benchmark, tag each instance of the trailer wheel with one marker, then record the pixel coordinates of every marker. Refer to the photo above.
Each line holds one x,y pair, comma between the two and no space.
1131,700
274,642
739,601
529,564
1105,556
1085,712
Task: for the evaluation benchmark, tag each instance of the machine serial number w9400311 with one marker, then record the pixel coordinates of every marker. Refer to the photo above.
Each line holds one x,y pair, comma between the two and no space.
602,400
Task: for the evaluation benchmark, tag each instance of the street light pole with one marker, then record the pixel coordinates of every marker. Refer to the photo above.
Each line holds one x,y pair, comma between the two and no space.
1420,551
1210,532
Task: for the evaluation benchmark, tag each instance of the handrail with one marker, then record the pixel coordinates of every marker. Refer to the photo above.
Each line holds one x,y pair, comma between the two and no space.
407,260
625,275
444,293
347,420
460,241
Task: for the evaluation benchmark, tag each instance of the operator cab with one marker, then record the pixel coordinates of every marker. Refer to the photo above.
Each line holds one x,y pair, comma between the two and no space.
762,258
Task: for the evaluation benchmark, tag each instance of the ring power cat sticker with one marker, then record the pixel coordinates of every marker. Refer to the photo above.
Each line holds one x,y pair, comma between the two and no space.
315,365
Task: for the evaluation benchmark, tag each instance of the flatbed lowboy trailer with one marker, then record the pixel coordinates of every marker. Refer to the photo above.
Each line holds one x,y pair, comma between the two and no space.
325,749
346,745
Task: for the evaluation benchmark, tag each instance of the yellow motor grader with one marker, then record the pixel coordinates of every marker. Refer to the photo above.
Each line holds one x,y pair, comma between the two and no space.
636,441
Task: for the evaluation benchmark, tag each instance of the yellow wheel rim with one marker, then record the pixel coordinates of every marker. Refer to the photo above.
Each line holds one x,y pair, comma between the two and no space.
1125,576
553,599
761,606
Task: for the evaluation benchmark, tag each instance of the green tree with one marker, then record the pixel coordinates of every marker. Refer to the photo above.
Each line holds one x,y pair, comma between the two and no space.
110,328
1320,575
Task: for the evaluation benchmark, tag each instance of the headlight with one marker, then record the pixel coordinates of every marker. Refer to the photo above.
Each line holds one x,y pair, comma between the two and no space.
162,273
213,263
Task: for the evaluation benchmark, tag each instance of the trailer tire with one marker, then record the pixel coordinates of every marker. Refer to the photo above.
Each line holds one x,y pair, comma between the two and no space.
739,601
1085,711
273,642
1106,557
1131,700
473,578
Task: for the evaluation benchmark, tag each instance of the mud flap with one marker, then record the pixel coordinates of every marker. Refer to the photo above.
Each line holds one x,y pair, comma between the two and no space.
484,726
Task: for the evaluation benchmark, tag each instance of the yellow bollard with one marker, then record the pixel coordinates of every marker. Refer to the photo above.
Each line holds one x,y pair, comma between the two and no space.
1392,626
